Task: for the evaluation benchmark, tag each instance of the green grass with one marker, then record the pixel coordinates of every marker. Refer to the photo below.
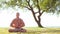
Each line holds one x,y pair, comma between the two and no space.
34,30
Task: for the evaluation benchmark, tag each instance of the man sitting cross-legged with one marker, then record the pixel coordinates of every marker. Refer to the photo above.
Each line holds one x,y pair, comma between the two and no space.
17,25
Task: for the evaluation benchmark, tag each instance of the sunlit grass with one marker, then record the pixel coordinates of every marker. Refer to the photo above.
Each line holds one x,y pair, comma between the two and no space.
34,30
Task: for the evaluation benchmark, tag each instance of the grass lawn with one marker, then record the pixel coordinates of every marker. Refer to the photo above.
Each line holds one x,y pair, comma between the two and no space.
34,30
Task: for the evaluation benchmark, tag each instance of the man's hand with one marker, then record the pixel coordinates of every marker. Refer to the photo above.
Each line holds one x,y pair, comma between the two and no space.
13,25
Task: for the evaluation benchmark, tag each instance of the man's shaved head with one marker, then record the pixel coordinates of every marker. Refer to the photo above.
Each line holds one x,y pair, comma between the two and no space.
17,15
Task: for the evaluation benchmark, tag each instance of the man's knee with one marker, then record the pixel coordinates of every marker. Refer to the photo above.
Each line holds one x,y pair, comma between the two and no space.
23,30
12,30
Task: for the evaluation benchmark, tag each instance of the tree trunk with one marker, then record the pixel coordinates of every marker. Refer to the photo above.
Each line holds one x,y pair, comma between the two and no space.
33,12
37,21
39,24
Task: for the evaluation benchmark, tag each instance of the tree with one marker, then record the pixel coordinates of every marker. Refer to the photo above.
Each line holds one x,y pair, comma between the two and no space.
49,6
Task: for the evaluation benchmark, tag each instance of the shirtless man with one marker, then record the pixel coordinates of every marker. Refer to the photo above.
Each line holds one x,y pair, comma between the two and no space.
17,24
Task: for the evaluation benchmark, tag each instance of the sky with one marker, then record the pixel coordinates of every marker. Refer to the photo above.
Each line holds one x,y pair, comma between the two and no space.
47,20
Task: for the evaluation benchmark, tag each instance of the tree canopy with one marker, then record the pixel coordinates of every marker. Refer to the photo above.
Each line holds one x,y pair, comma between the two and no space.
47,5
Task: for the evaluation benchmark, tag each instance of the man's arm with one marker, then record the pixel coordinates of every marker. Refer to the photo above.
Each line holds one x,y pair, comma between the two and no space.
22,23
12,24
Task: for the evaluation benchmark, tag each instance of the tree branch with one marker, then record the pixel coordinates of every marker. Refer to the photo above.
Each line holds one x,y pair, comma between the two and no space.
34,16
38,6
28,8
32,10
39,11
42,12
28,3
